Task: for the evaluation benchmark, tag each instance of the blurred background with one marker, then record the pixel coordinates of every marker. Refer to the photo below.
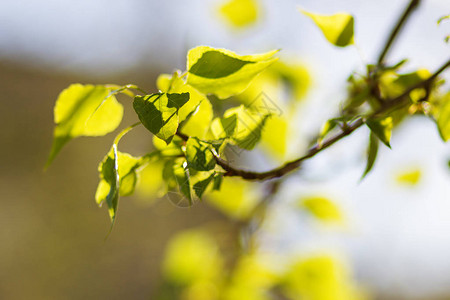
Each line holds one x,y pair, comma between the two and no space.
395,241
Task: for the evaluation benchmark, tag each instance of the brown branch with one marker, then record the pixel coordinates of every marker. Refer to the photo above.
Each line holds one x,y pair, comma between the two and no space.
295,164
395,31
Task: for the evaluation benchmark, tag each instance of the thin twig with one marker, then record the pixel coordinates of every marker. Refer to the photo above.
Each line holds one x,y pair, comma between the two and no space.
395,31
295,164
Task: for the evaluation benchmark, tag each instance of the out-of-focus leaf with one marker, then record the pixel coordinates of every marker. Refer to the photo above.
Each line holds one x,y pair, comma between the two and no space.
78,112
409,177
337,28
192,256
159,113
275,136
442,115
443,18
240,13
249,126
322,208
236,198
223,72
151,184
382,129
198,123
320,277
199,156
372,152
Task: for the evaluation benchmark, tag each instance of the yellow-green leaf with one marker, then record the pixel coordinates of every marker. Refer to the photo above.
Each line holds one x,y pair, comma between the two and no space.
118,176
78,113
159,113
337,28
199,156
409,177
382,129
442,115
175,84
372,152
199,122
223,72
240,13
322,208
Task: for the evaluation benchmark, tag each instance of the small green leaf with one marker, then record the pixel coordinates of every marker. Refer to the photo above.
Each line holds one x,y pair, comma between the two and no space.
442,115
181,174
218,181
337,28
199,156
159,113
382,129
372,152
84,110
249,126
118,176
202,184
222,72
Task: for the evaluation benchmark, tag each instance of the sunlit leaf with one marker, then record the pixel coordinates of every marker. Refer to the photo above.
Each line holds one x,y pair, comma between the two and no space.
199,155
151,183
223,72
320,277
159,113
192,256
372,152
240,13
275,136
322,208
442,115
176,84
200,182
236,198
118,175
409,177
78,113
382,128
249,126
337,28
198,123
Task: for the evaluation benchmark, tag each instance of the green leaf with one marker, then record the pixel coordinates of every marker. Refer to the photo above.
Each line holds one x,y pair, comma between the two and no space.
372,152
199,156
175,84
337,28
442,115
84,110
223,72
202,183
181,174
240,13
159,113
249,126
118,176
382,128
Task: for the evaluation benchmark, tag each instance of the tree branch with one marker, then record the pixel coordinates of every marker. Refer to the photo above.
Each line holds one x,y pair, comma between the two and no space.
395,31
318,147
